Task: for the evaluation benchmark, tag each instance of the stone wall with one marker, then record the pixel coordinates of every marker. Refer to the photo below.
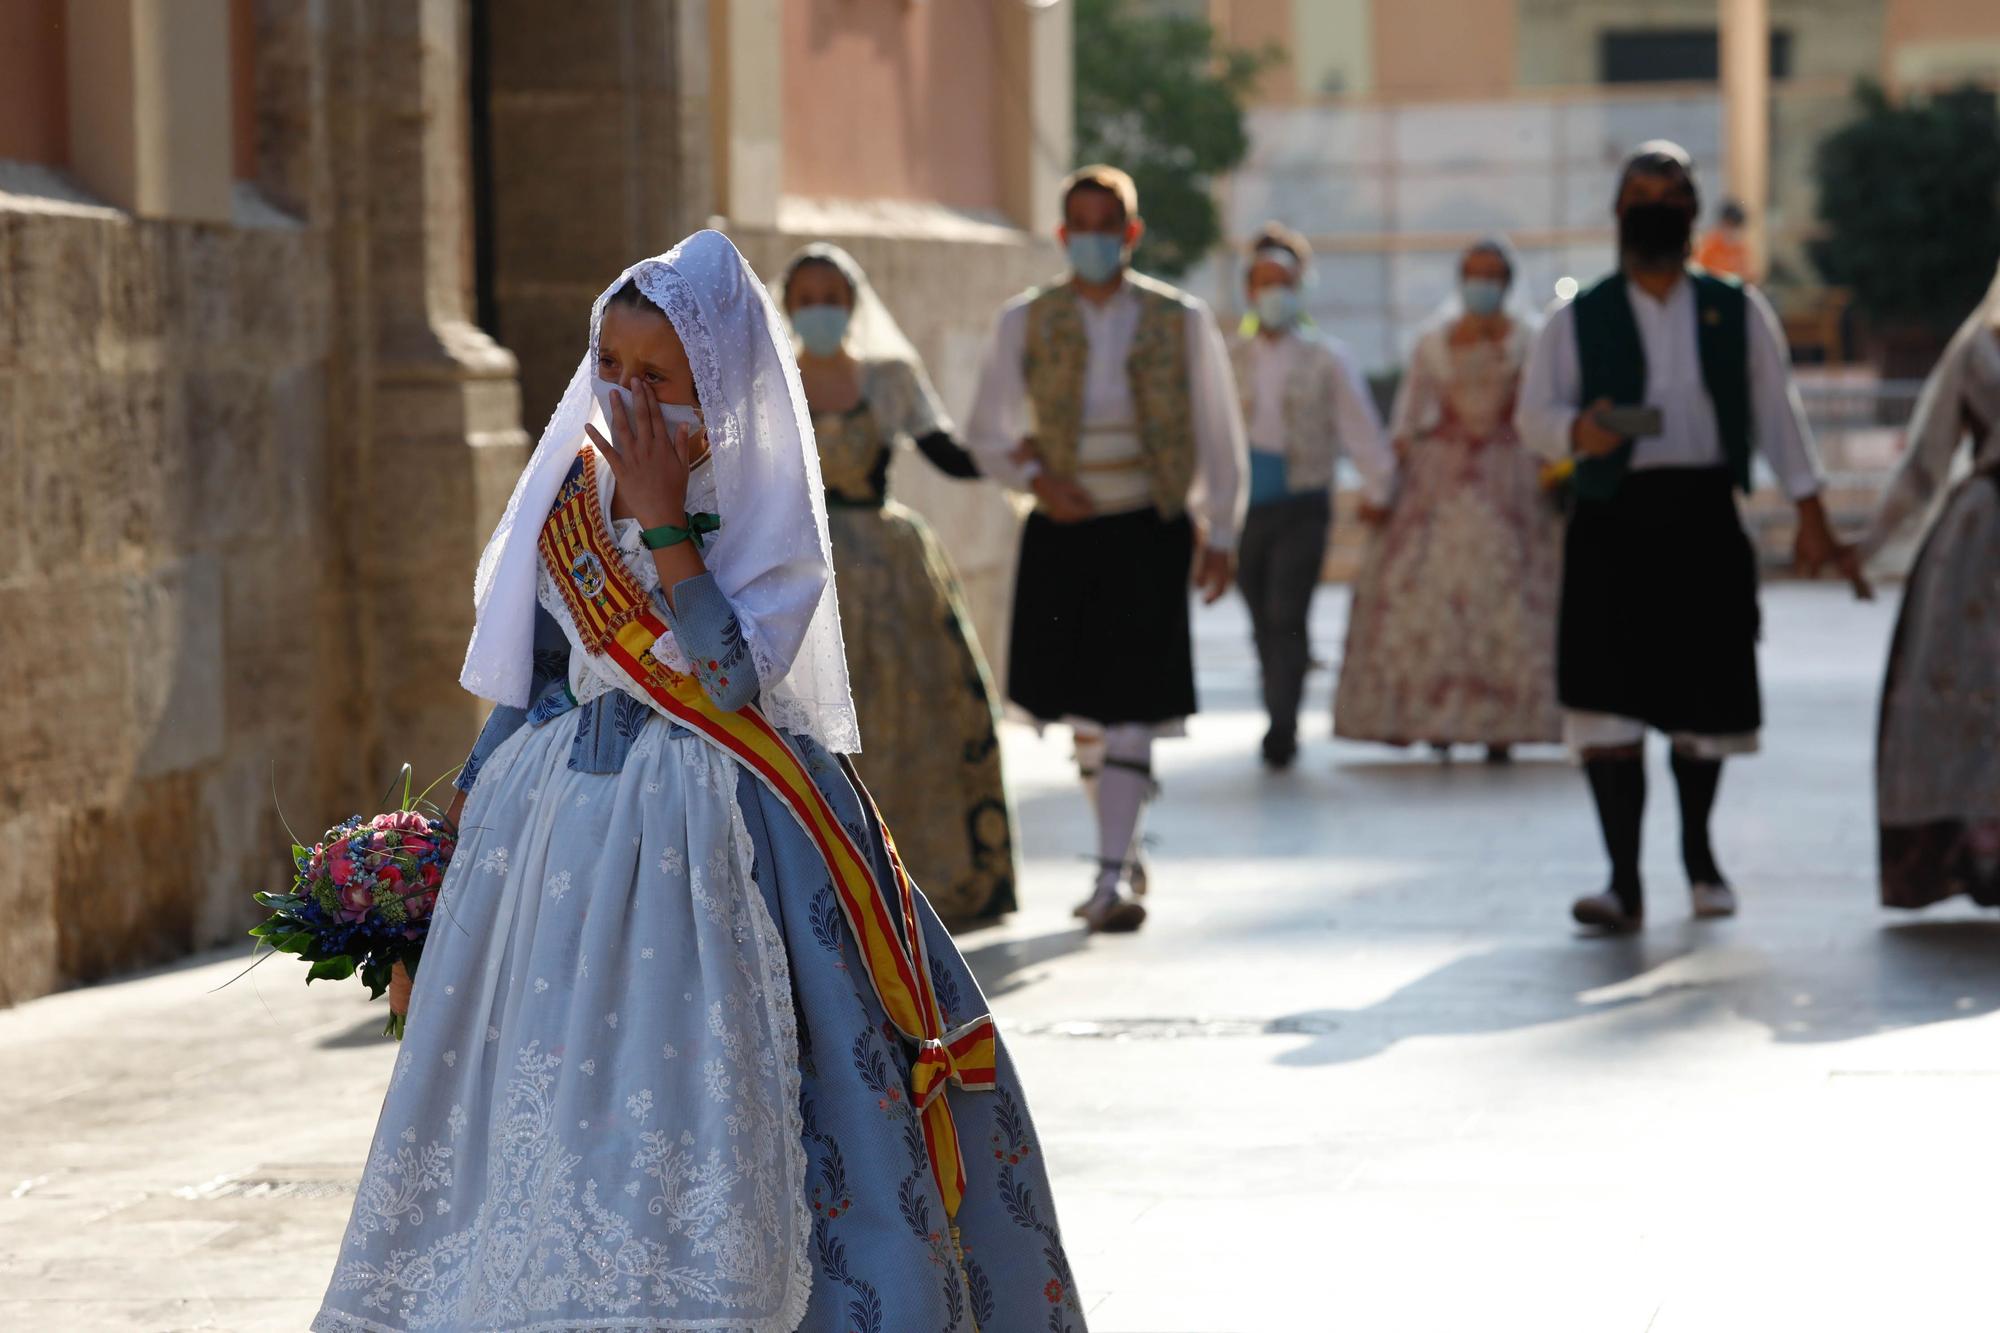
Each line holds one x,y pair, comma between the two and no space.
213,440
158,489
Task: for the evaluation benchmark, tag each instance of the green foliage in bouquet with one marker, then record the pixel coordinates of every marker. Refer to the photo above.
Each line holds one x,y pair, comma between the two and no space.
361,897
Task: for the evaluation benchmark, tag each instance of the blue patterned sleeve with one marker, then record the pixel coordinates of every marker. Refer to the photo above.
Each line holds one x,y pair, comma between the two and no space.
551,665
707,630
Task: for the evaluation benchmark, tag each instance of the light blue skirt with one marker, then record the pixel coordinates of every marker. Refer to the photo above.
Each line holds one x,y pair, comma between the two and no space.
647,1085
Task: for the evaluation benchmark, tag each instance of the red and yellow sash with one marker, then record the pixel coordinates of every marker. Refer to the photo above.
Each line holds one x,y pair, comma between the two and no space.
616,619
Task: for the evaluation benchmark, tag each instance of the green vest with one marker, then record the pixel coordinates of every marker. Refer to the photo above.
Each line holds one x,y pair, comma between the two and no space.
1053,366
1612,360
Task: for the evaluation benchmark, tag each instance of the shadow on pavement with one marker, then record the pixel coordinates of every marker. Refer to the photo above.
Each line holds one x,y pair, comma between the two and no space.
999,967
368,1032
1903,975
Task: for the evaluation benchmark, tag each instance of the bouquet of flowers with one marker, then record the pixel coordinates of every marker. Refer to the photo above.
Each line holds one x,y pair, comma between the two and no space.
1558,482
361,897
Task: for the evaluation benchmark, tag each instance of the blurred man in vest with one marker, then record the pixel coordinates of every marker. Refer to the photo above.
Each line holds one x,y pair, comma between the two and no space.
1658,381
1108,396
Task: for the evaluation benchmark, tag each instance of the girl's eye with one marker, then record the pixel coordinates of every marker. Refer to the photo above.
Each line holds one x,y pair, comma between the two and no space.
655,378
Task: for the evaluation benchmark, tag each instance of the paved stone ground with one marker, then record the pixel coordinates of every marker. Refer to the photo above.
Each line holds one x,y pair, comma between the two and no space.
1358,1074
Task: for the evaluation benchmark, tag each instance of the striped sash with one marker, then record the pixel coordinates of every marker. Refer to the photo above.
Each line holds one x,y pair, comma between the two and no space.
616,619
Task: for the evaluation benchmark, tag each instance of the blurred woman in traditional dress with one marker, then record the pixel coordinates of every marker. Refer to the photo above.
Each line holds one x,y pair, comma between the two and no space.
1451,637
1937,768
921,686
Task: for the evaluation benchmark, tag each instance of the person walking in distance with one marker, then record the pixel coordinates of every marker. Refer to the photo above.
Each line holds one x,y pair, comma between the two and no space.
1658,381
1107,394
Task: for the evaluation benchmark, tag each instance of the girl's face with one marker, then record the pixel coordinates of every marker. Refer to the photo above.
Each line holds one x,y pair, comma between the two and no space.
817,283
640,344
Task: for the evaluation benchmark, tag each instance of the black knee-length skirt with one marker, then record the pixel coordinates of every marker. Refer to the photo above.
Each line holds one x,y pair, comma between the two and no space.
1100,625
1659,615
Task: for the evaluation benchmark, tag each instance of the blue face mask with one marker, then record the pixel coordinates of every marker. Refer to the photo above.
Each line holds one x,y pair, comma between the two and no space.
821,328
1482,296
1278,307
1096,256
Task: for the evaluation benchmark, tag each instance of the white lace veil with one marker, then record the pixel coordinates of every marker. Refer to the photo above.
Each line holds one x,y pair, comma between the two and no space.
770,558
873,335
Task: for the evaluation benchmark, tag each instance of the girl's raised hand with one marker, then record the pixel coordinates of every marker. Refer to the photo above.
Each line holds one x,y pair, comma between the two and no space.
649,460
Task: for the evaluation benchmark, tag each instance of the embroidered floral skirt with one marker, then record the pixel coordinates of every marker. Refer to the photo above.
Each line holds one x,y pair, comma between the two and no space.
930,749
1452,631
646,1085
1937,768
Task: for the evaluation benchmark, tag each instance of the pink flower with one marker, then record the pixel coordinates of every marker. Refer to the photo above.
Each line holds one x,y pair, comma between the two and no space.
355,901
340,869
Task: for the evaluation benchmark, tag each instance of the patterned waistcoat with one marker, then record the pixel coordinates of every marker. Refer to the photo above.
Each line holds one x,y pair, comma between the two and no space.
1054,366
1312,439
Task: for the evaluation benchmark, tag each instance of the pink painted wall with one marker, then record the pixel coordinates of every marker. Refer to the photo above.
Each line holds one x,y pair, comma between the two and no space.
893,99
34,97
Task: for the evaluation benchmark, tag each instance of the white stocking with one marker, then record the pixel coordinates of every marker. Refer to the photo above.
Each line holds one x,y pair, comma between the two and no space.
1122,792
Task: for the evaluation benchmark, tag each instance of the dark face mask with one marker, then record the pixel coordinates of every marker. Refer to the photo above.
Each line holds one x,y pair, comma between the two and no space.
1655,233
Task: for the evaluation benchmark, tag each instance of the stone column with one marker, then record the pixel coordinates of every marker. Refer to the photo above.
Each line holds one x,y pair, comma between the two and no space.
600,155
149,119
1036,111
436,441
1746,116
746,42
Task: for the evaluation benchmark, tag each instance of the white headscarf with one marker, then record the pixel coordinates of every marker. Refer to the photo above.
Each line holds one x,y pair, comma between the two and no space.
873,335
770,558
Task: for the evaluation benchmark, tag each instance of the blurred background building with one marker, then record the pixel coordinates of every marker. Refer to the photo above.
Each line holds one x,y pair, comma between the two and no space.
286,290
1393,132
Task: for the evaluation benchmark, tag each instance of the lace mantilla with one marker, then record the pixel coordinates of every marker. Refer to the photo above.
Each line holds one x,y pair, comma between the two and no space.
771,558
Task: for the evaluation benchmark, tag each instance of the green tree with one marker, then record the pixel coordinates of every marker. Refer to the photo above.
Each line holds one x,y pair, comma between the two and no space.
1910,197
1157,96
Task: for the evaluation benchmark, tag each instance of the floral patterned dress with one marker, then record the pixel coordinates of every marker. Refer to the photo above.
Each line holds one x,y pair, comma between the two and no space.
647,1084
922,691
1937,768
1451,634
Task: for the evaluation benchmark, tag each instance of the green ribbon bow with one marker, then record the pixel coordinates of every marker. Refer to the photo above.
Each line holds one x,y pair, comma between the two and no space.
698,527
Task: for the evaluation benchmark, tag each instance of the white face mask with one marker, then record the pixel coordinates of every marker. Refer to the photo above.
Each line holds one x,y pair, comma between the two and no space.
674,414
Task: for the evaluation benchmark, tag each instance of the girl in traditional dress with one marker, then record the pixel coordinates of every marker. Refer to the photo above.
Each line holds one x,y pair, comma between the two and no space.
1937,769
685,1050
1451,638
922,693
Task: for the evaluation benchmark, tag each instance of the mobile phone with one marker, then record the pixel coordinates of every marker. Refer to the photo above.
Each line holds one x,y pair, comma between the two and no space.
1631,422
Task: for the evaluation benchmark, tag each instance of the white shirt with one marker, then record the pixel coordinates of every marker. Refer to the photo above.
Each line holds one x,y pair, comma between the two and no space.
1271,361
1552,388
999,419
1357,426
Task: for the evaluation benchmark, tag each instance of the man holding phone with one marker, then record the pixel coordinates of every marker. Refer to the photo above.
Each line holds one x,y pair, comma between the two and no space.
1658,381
